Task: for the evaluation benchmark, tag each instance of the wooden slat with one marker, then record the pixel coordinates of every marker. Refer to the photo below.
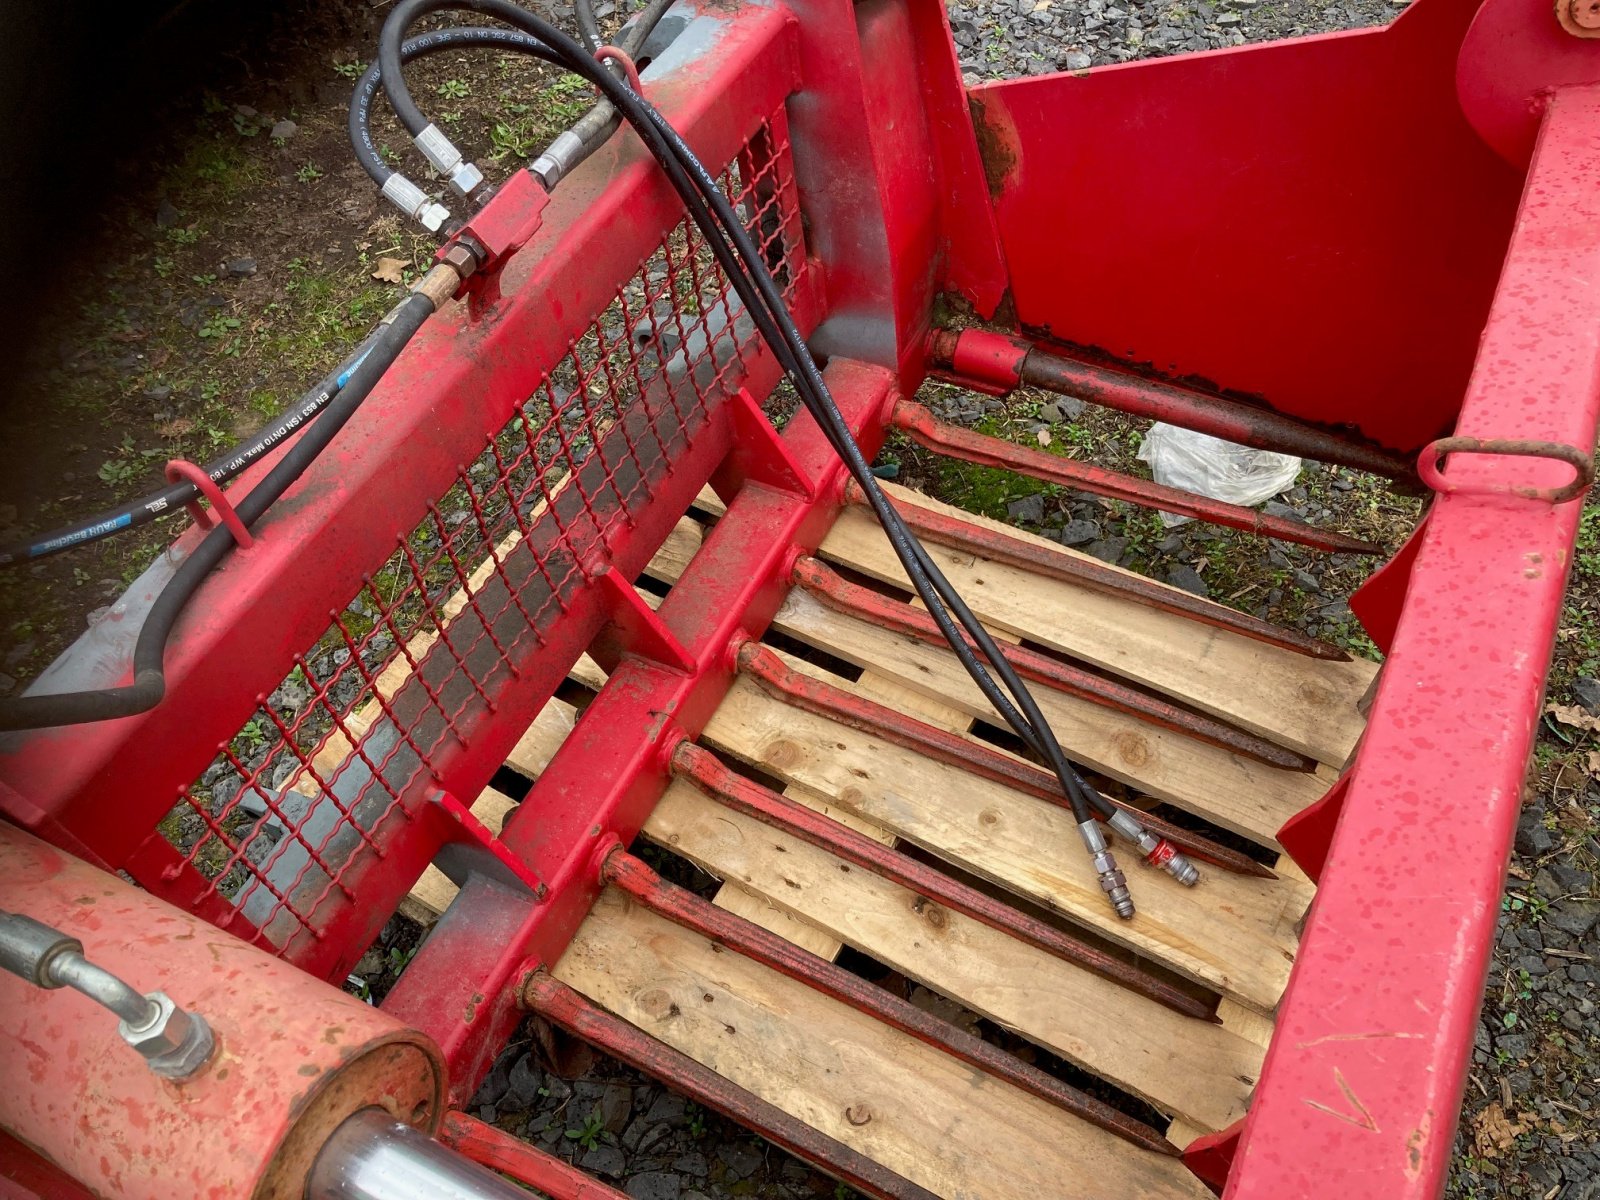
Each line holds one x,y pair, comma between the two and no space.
914,1109
1237,793
1182,1066
1230,790
1303,703
1233,934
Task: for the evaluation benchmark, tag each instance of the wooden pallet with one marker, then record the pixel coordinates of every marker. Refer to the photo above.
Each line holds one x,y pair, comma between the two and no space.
933,1120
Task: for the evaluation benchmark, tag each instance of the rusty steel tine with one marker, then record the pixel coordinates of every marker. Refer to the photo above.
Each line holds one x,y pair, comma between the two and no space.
732,790
995,546
854,600
986,762
640,881
954,442
561,1006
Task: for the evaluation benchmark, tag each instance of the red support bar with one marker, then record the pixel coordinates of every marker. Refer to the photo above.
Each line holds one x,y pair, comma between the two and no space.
638,880
706,772
971,538
561,1006
498,1150
1232,420
863,603
878,720
951,440
1362,1084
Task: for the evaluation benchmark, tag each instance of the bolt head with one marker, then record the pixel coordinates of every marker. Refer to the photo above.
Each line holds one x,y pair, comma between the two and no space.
175,1043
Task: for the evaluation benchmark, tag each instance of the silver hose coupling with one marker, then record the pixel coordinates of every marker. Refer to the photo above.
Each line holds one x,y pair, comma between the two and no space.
1157,851
415,203
558,158
443,156
1112,881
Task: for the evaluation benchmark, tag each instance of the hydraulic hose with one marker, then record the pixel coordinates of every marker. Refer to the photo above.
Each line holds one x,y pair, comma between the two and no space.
768,311
149,683
134,513
474,37
763,301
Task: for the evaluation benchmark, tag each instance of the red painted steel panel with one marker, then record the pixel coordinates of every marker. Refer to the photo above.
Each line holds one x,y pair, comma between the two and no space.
1312,222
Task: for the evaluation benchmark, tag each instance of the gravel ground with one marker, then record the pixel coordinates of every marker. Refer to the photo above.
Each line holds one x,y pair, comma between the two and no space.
239,216
1004,38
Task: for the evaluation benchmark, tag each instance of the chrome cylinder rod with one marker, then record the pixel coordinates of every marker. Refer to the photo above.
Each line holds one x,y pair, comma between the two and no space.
372,1156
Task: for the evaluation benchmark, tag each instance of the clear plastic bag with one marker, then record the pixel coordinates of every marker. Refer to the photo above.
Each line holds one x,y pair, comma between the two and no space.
1208,466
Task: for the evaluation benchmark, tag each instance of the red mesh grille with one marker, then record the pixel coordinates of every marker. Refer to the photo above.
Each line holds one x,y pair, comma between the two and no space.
332,760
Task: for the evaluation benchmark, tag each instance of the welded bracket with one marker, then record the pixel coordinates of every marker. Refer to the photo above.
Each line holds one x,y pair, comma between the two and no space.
1307,836
760,452
477,834
635,628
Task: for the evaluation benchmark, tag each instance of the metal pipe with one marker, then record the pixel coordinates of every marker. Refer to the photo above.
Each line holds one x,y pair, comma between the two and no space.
854,600
561,1006
48,958
372,1156
1084,571
734,791
73,970
1232,420
952,441
640,881
878,720
495,1148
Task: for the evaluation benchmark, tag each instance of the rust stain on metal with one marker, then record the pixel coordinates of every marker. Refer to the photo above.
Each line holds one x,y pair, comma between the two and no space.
997,144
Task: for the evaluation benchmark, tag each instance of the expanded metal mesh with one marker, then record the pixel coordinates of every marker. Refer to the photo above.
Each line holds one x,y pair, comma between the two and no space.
332,759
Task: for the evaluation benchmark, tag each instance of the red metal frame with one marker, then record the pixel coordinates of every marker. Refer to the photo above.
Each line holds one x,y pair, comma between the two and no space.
1335,258
1374,1037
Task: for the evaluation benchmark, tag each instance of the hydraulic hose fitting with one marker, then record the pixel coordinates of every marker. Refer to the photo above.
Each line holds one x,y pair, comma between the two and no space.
558,158
174,1042
1157,851
443,156
415,203
1112,881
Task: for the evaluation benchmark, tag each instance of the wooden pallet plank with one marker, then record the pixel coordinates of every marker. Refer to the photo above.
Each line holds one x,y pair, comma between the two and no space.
1195,1070
1233,934
912,1108
1238,793
1306,704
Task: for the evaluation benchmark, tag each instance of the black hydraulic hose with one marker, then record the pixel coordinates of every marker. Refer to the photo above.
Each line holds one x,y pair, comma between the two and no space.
766,307
588,25
149,685
135,513
474,37
924,574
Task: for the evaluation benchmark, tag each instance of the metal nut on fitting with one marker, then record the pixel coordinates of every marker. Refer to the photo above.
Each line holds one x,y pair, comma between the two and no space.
1114,884
466,178
415,203
175,1043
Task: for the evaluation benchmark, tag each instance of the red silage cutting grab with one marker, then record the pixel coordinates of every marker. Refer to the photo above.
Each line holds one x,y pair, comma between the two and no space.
1357,243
